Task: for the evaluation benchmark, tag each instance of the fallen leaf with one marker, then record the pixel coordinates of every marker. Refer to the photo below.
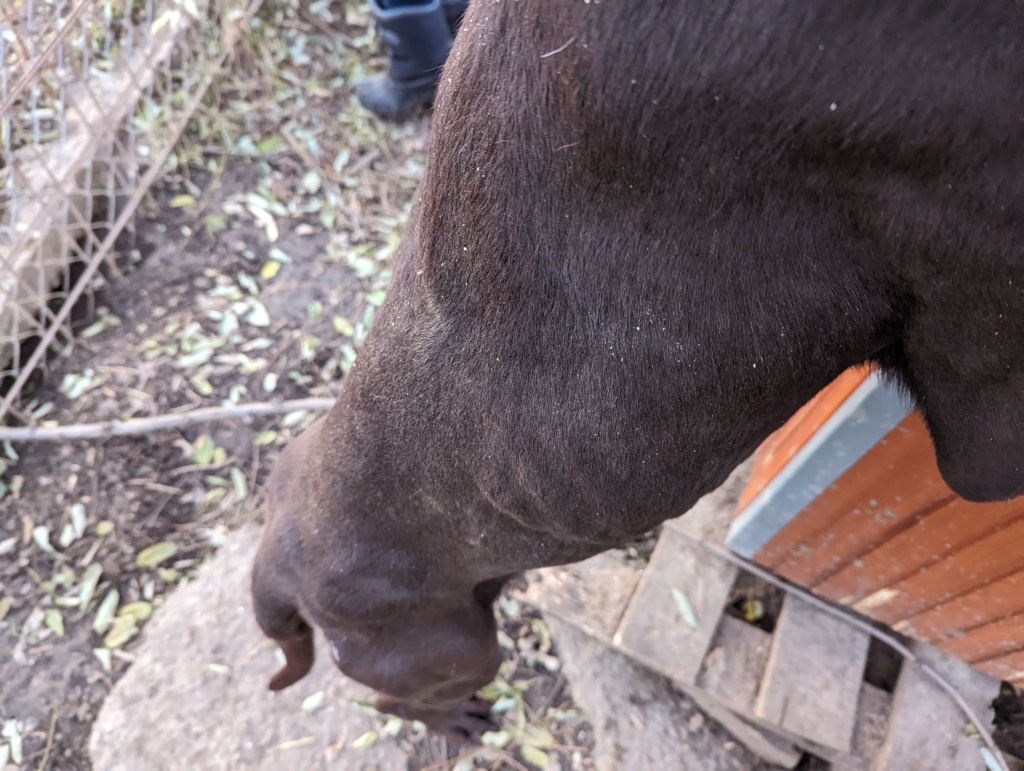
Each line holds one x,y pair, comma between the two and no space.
343,326
105,612
262,439
197,358
87,588
204,450
248,283
499,739
54,621
313,702
238,481
77,514
41,536
307,347
504,704
270,269
104,657
123,629
13,736
535,756
990,760
753,610
258,316
365,740
311,182
684,608
201,384
100,325
153,555
278,254
270,145
140,610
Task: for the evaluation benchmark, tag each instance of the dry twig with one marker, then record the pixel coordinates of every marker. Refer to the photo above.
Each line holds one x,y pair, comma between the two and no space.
137,426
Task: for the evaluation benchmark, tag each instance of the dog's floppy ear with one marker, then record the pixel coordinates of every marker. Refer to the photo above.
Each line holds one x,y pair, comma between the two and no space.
298,654
278,616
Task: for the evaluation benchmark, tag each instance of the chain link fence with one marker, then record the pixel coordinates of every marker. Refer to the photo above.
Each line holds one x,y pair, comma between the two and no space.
93,96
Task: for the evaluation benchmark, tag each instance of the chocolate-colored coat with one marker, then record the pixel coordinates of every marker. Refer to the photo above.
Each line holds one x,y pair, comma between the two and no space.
647,234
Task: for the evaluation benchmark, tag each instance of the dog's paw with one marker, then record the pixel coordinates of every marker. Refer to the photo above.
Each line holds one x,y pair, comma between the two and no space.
468,722
464,723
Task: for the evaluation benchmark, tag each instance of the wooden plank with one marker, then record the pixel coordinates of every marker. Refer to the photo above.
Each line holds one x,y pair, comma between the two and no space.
981,606
926,729
988,641
654,630
885,488
779,448
927,726
980,563
734,666
758,740
812,681
869,731
1008,667
732,673
934,540
592,595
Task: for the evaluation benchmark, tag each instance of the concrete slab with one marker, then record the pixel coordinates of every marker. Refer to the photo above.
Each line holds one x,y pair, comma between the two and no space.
592,594
641,722
196,696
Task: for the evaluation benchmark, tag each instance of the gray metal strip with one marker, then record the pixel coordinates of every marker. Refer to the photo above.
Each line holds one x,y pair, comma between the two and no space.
869,413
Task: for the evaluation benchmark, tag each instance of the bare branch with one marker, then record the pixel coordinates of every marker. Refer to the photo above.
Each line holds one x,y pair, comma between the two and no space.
135,426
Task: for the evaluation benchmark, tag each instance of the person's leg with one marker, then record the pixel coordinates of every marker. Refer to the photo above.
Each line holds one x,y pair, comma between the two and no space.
418,35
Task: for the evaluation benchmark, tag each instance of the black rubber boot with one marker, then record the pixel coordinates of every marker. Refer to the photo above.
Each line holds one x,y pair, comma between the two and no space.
418,39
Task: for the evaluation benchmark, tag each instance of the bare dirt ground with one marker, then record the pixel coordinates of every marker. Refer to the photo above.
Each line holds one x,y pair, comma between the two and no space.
256,270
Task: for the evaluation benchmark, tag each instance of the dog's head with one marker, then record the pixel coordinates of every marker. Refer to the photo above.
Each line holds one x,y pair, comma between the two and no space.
426,648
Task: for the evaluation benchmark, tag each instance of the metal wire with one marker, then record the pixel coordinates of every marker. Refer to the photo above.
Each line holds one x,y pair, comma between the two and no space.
76,76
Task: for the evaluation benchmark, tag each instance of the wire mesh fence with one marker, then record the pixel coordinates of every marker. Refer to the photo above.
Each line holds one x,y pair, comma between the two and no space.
93,96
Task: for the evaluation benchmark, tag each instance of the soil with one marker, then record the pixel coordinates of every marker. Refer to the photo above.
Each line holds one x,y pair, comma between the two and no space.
254,274
154,489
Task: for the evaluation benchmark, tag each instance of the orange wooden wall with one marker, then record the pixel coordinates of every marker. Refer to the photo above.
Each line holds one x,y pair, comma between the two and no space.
891,540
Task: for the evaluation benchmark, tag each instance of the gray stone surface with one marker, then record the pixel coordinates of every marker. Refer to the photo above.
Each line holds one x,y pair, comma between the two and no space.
592,594
197,698
641,722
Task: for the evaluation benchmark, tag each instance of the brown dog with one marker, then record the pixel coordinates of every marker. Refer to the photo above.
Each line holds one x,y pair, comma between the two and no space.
648,233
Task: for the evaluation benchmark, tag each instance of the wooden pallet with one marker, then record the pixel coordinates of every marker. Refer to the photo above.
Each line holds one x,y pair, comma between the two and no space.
797,689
